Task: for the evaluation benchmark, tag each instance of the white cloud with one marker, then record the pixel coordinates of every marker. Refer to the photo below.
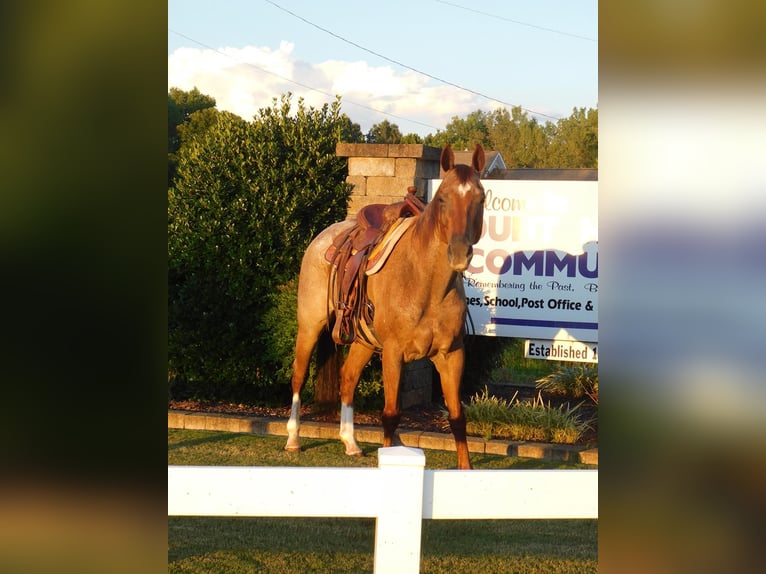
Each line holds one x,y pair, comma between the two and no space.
242,80
364,80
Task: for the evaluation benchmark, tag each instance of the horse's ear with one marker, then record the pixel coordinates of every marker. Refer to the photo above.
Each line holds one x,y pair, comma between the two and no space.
448,158
478,158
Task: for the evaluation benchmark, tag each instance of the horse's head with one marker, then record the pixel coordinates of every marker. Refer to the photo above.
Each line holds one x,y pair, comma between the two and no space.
460,202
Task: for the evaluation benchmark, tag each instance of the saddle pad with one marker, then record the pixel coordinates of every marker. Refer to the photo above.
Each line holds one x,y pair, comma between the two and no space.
383,249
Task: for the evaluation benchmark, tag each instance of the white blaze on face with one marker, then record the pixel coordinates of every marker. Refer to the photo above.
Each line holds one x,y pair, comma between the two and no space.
463,188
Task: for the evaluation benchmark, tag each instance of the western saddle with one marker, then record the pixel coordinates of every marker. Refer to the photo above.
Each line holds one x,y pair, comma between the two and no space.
357,253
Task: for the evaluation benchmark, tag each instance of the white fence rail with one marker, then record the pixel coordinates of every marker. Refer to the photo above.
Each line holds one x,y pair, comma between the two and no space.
399,494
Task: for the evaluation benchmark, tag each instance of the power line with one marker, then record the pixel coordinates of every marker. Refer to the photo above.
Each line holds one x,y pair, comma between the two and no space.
517,21
458,86
306,86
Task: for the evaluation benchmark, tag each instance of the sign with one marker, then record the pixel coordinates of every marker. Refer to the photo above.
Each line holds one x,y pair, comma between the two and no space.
534,272
561,350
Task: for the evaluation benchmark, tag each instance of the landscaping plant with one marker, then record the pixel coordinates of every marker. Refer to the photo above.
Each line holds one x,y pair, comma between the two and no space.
491,417
572,380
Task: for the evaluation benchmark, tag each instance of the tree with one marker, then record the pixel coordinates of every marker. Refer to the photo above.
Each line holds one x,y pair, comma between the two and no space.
505,136
520,139
197,124
249,196
575,143
463,133
523,142
181,106
384,132
412,138
350,131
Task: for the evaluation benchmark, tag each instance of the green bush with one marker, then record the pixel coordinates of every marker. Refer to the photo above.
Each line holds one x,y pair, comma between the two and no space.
573,380
279,329
491,417
511,366
481,356
500,360
248,198
369,393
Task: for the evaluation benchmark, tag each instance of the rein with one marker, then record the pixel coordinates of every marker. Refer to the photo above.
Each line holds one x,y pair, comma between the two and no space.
470,328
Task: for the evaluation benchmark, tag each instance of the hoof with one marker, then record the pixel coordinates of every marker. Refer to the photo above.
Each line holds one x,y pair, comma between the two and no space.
393,441
355,453
293,447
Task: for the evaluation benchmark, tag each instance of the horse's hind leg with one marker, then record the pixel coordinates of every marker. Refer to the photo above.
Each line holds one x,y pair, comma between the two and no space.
304,347
358,357
450,367
312,322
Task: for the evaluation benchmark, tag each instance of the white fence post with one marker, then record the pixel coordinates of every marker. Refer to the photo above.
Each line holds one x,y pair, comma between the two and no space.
399,523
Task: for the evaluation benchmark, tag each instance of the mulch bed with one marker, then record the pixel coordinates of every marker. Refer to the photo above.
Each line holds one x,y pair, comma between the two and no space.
427,418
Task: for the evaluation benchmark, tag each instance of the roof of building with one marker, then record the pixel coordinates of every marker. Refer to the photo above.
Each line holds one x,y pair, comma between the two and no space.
572,174
494,168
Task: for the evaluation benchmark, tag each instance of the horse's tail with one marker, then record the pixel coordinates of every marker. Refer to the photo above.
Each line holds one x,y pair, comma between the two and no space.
327,384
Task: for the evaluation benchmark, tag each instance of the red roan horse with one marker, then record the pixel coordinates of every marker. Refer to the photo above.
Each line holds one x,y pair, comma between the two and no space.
419,304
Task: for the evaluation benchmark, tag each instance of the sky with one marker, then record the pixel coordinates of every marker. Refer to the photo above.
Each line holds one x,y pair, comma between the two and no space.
417,63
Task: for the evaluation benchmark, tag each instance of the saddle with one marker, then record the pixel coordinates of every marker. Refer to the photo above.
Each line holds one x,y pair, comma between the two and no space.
358,253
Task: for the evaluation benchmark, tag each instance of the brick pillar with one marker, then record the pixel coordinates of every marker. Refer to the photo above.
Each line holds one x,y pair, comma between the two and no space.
381,173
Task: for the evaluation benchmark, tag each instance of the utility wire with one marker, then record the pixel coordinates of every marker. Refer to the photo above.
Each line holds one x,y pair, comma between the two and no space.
328,94
474,92
518,22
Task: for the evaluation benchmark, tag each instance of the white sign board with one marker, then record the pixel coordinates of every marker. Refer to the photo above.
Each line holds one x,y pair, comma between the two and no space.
534,272
561,351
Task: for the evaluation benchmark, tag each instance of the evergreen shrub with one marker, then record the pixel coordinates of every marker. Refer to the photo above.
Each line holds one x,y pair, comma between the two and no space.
248,198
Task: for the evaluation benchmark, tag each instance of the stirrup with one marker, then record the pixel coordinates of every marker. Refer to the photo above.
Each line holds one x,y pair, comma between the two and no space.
343,329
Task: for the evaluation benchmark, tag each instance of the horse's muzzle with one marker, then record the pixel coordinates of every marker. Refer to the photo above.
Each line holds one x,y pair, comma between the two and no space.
459,253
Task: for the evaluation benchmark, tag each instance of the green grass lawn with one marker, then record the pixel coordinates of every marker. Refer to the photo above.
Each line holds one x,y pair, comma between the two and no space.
212,545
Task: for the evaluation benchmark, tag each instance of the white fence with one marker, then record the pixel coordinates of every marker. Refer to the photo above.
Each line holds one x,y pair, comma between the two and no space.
399,494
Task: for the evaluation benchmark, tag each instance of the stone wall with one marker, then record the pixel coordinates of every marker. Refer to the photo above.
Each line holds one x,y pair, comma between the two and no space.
417,384
382,173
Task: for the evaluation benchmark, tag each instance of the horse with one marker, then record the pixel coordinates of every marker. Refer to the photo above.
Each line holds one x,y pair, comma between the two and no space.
419,306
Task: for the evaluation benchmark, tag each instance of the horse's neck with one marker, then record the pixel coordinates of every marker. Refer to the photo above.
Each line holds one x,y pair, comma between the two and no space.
429,256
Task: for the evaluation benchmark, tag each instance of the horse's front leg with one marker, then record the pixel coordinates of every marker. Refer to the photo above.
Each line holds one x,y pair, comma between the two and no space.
450,367
392,373
358,357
